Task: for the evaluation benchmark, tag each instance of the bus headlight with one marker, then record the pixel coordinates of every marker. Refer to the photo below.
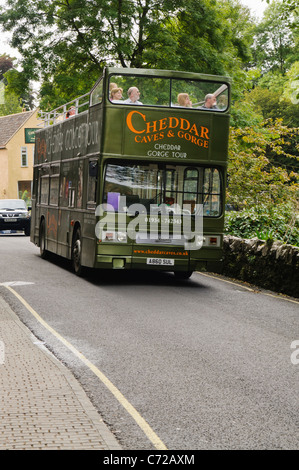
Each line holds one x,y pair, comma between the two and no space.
114,236
199,241
122,237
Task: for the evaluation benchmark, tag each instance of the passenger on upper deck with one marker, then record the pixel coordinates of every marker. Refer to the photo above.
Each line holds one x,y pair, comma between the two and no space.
184,100
133,94
71,112
210,102
116,95
112,85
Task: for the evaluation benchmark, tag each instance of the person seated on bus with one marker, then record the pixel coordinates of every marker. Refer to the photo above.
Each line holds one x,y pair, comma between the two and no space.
133,96
112,85
71,112
184,100
116,95
210,102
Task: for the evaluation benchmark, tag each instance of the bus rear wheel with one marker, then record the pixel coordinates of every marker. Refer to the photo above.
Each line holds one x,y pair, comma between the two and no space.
77,253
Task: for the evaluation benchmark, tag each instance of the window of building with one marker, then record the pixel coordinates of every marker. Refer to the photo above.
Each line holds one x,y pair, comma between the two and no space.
24,156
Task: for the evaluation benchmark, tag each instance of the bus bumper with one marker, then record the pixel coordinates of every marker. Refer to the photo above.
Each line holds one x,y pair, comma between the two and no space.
127,262
155,258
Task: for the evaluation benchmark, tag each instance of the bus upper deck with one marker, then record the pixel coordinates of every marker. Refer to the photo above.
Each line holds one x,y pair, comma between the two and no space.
155,88
174,111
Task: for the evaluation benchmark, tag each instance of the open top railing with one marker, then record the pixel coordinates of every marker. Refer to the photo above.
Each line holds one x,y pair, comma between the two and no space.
65,111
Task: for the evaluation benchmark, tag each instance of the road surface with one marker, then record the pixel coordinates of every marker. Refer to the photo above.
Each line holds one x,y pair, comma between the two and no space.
200,364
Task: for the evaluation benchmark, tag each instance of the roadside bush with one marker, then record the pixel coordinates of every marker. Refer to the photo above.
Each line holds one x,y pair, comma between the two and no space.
266,223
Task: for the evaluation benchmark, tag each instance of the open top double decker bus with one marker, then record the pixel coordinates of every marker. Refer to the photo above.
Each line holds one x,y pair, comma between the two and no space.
135,178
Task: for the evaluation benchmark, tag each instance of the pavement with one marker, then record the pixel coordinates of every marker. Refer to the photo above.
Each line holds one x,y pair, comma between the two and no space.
42,405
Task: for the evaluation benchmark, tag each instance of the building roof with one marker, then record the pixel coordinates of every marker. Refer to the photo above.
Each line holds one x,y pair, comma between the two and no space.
10,124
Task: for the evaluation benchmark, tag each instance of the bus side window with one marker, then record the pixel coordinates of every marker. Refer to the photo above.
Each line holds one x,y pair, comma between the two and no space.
92,181
80,185
93,169
44,188
65,183
54,184
96,95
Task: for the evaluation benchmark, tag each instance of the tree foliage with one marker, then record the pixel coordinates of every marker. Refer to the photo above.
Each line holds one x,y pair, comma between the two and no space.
256,175
273,66
18,84
66,43
274,40
6,63
15,88
11,105
276,222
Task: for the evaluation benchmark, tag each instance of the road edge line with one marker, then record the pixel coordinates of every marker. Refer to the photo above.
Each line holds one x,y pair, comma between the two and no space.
144,426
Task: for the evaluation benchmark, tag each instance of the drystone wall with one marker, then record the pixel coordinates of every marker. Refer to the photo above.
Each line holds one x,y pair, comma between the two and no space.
270,265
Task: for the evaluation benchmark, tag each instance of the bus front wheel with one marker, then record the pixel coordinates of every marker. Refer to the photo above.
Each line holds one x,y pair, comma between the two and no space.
183,274
77,253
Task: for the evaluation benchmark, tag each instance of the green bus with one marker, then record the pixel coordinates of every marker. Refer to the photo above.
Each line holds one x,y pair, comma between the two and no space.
133,174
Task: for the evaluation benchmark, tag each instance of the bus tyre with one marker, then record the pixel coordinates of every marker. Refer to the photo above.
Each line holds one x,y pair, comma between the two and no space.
42,240
183,274
77,253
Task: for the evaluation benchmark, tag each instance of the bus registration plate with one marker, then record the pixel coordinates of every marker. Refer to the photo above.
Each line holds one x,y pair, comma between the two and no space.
160,261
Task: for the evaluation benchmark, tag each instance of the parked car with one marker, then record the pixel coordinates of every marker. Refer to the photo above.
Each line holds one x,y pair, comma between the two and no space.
15,215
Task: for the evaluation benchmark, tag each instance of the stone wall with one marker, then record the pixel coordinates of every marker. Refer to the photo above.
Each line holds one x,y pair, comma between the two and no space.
270,265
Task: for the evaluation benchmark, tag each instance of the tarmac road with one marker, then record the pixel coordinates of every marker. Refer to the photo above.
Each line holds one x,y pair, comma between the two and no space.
203,364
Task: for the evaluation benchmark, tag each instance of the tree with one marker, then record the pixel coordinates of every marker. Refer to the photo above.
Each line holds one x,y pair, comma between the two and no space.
6,63
274,45
255,173
15,88
66,43
271,103
207,35
269,84
291,89
18,84
11,105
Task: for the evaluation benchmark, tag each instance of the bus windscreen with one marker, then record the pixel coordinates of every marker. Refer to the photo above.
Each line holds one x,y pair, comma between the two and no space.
168,92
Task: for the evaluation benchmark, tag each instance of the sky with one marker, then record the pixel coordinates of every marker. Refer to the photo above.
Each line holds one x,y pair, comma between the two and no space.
4,47
256,6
